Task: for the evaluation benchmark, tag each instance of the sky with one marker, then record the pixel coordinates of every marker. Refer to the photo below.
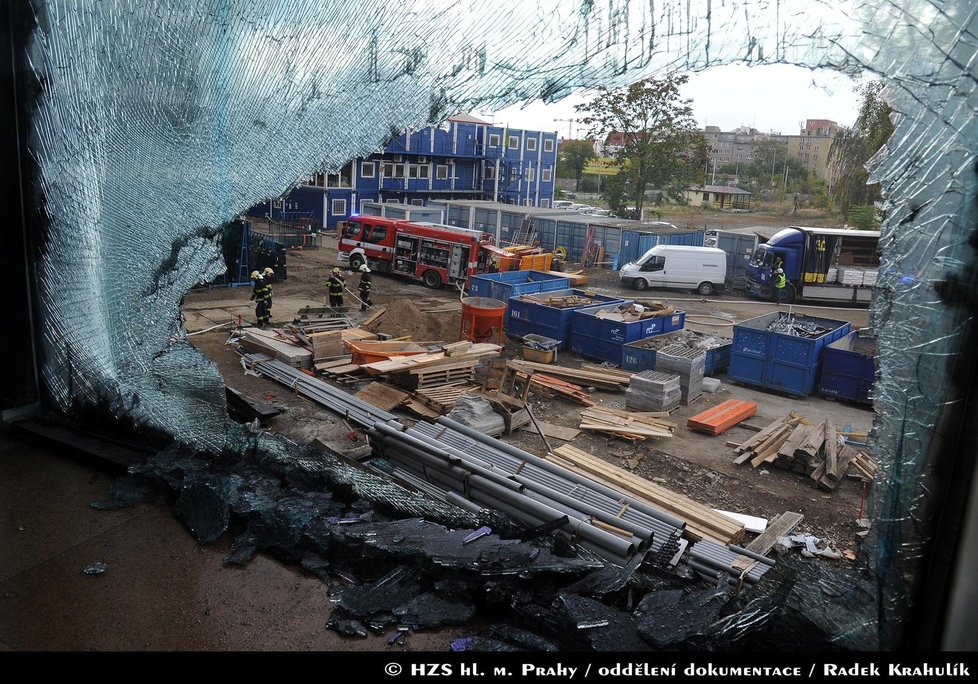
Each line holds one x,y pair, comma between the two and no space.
769,98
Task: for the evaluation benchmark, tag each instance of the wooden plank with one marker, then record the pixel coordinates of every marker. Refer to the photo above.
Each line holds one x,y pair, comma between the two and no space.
702,521
421,409
384,397
779,527
831,465
813,443
373,317
557,431
330,343
762,435
267,342
769,450
798,436
591,378
845,457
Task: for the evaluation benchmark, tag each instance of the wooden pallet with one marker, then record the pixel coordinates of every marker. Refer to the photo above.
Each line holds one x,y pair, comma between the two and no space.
438,375
441,399
384,397
722,417
701,521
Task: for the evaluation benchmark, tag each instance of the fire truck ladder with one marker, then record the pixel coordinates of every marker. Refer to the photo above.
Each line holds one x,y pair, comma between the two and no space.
524,235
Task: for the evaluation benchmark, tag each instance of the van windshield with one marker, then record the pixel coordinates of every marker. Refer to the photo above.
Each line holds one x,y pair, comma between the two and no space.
352,230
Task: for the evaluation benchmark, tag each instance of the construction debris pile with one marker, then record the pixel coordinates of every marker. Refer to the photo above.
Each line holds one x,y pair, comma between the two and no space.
690,338
815,450
635,312
796,326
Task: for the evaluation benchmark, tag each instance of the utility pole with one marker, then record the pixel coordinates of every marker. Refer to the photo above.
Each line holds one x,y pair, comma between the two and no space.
714,181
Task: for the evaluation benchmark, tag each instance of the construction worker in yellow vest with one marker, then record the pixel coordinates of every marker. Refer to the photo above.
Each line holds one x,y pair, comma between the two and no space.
268,275
780,286
336,287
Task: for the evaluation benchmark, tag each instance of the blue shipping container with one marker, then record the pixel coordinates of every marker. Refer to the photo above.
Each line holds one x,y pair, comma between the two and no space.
779,361
604,338
638,357
528,314
849,367
502,286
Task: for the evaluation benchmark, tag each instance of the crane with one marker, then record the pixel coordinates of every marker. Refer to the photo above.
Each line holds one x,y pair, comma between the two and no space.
570,127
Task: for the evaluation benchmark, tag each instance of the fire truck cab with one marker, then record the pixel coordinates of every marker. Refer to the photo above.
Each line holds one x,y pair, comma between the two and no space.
433,253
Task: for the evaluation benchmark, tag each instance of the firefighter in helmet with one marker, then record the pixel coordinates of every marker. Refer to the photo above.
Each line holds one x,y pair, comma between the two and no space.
364,288
268,275
258,297
336,287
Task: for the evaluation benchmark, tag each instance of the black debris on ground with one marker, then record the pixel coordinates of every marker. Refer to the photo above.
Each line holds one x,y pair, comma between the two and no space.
675,619
128,491
350,628
243,549
394,557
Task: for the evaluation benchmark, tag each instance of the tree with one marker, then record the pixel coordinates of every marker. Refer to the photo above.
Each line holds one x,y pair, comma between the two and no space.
660,146
572,157
855,145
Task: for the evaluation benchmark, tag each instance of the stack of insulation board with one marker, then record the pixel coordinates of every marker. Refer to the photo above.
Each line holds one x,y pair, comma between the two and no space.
851,276
690,364
833,275
653,391
869,277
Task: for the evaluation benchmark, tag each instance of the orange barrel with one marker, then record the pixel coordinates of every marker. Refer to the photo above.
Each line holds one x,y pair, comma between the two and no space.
480,316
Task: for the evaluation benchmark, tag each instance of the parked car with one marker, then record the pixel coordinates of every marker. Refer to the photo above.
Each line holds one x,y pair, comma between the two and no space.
561,204
584,209
601,212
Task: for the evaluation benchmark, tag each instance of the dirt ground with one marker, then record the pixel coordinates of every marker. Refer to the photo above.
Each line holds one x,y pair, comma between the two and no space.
697,465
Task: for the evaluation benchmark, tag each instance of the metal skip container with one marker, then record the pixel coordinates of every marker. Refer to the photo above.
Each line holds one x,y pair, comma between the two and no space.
781,351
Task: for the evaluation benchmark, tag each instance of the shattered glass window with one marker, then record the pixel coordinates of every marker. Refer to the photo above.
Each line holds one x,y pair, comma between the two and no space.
155,124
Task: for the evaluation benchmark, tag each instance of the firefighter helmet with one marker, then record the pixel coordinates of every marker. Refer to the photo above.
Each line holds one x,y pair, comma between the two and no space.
268,271
364,269
336,270
255,275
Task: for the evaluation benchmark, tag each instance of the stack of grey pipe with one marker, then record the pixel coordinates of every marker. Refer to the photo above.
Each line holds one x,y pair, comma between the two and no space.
653,391
476,471
690,364
455,463
714,561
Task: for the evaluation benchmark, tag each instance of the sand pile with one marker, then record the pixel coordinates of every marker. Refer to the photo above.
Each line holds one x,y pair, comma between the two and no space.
403,318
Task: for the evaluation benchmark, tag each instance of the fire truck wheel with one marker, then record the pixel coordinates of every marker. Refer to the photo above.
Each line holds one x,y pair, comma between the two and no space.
356,261
432,279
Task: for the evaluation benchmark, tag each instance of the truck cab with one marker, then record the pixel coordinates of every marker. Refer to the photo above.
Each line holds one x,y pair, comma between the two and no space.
784,250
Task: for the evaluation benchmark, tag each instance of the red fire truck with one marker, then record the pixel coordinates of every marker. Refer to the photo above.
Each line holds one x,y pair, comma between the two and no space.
433,253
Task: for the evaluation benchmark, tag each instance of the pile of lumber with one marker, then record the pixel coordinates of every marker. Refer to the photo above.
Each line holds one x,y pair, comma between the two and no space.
269,342
551,386
630,425
792,443
702,522
584,377
560,302
408,363
329,344
722,417
622,376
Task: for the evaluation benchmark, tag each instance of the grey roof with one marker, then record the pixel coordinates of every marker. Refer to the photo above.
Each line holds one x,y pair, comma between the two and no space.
722,189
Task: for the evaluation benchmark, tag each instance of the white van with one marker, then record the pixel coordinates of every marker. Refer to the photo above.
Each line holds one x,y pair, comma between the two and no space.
703,269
